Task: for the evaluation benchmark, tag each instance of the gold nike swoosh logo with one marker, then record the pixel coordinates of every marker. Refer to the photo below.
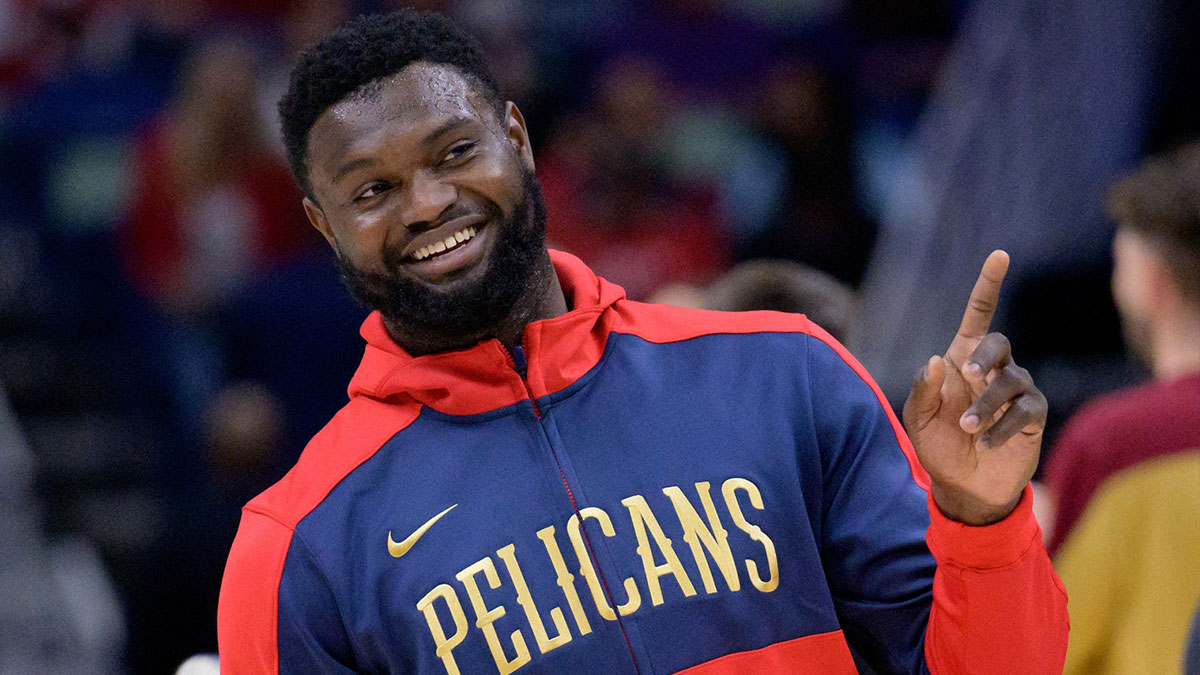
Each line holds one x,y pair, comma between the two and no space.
399,548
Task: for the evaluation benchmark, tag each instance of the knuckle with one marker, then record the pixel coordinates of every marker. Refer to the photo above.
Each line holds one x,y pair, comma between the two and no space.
1029,407
982,305
1020,378
997,394
1043,406
1008,385
1000,341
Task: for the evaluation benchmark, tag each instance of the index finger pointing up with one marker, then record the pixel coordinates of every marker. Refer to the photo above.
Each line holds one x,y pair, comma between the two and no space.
980,307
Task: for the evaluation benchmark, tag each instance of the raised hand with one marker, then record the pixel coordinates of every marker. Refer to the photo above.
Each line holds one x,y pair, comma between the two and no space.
974,416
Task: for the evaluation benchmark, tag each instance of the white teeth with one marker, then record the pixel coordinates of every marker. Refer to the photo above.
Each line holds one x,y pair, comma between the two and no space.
450,242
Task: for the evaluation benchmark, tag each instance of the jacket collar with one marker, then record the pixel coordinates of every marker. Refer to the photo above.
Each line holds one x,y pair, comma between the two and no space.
482,378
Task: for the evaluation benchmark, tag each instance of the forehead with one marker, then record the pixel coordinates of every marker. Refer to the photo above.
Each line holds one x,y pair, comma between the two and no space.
415,100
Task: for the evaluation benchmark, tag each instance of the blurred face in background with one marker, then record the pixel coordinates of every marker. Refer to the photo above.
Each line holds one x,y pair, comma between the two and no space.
426,192
217,99
1137,275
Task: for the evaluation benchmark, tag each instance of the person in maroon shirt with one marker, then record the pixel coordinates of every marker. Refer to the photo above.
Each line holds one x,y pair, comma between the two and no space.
1124,473
1156,286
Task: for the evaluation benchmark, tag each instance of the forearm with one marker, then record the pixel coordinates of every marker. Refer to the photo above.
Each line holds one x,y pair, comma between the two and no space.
998,606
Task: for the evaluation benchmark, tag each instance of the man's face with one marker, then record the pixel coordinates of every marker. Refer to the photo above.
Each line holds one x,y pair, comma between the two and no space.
1132,289
428,197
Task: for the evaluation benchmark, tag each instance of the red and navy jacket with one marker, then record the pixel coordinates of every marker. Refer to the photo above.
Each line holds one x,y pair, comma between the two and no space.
635,489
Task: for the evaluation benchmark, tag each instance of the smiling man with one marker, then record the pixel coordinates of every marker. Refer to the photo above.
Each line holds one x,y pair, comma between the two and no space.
428,149
534,474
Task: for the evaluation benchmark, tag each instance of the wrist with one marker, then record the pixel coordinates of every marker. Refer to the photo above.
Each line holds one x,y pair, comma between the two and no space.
961,506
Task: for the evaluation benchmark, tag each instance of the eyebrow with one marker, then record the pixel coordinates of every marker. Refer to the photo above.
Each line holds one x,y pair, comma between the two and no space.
442,129
448,126
351,166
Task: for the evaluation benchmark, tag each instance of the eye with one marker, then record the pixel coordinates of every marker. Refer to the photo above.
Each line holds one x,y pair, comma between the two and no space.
372,190
458,153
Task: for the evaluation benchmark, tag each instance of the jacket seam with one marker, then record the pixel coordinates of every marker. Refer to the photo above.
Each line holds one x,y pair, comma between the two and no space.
332,593
316,564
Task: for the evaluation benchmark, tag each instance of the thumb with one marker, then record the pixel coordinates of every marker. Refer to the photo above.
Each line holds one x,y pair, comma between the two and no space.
925,399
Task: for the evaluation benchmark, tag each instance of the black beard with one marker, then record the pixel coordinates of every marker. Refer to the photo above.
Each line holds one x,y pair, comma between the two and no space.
467,310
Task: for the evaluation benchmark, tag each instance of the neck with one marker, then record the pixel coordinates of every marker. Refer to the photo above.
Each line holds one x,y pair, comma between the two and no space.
543,299
1177,346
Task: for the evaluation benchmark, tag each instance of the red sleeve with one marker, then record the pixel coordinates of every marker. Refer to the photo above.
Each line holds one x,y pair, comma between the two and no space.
998,607
247,611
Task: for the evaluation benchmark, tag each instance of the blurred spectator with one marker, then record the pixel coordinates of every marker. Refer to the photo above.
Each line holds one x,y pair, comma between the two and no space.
174,602
703,46
303,23
59,614
1124,474
244,434
785,286
503,27
213,203
299,313
609,198
814,217
774,285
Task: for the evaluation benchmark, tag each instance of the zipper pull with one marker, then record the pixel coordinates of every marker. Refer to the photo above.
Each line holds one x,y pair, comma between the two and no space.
518,357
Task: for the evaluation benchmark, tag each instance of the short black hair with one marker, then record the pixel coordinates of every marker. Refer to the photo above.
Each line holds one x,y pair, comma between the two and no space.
363,51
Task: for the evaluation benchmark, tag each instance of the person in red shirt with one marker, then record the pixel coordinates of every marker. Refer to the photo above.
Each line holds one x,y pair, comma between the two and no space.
213,203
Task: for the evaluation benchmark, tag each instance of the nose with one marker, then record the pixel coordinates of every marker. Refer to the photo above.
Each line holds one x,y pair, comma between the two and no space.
428,198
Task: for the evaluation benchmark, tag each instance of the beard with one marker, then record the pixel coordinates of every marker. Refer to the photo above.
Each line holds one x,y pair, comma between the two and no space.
462,311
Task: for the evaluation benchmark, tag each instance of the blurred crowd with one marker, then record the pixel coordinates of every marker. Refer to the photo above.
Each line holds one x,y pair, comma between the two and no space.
172,330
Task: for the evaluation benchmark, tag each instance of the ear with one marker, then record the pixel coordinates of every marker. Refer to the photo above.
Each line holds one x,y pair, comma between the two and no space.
517,134
317,217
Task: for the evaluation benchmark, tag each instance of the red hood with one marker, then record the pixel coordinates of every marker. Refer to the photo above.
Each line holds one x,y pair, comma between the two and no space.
481,378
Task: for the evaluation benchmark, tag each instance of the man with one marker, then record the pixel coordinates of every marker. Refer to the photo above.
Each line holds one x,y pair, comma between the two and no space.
1126,473
536,475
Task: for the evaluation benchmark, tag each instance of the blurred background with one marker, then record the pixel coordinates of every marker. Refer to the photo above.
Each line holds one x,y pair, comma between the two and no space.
172,331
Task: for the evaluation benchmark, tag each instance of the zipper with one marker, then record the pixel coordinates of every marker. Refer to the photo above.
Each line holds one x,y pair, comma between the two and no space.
518,362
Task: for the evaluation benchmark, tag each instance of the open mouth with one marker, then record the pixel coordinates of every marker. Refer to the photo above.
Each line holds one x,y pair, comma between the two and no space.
446,245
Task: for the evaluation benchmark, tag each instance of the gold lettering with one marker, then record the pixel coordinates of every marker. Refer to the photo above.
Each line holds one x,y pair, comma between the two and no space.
485,617
696,533
729,490
566,580
574,532
643,519
445,645
524,598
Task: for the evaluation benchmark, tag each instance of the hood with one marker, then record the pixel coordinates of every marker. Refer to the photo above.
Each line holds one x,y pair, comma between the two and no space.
481,378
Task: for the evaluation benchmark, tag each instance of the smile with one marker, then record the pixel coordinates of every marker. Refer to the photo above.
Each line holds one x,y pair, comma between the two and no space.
450,243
